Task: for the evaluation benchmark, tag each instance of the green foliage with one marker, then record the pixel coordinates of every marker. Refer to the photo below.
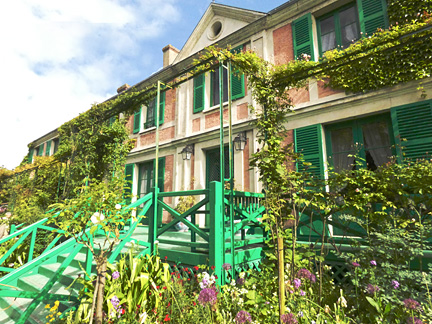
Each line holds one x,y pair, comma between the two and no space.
93,148
141,284
97,207
407,11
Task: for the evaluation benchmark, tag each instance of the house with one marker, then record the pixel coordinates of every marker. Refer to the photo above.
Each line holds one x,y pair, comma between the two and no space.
327,127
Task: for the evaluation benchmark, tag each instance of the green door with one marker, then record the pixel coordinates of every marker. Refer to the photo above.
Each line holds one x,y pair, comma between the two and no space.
213,165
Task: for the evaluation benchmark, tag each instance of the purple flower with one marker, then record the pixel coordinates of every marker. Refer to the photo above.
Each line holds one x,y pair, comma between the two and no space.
371,289
115,302
373,262
306,274
355,264
289,318
414,320
207,296
297,283
240,281
243,317
395,284
226,266
115,275
411,304
302,293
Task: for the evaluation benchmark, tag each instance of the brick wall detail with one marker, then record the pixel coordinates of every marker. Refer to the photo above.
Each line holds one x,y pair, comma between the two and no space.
283,45
196,125
150,138
170,104
168,185
129,124
289,139
242,111
324,91
212,120
299,95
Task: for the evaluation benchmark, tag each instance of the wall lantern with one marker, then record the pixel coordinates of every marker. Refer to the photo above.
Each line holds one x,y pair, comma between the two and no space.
187,152
240,141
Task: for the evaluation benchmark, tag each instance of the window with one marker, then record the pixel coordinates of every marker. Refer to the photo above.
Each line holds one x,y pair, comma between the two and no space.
146,177
215,89
237,84
56,145
48,148
339,28
151,112
369,138
40,150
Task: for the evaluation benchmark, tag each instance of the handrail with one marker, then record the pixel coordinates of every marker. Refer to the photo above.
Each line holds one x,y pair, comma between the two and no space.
18,238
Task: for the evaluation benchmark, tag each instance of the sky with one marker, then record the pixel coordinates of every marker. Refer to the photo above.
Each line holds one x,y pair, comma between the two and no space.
58,57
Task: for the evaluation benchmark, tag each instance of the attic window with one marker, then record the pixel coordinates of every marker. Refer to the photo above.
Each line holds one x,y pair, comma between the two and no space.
215,30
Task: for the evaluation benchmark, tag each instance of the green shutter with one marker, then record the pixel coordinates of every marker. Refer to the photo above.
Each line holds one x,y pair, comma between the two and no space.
161,173
30,155
137,121
56,145
303,37
40,150
308,141
48,148
373,15
237,79
111,120
199,93
161,108
129,170
412,130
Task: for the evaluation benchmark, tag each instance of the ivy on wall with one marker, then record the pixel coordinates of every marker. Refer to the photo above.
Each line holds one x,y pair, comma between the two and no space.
406,11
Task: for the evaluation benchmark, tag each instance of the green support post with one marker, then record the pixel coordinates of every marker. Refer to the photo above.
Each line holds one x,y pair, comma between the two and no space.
89,259
32,245
153,220
217,231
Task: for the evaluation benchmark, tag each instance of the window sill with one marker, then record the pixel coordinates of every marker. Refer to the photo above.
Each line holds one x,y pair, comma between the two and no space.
217,107
147,130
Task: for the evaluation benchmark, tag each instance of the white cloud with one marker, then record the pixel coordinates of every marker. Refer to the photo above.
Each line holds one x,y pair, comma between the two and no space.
58,57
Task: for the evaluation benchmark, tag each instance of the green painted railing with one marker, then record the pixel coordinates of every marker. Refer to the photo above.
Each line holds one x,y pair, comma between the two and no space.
215,243
211,244
16,242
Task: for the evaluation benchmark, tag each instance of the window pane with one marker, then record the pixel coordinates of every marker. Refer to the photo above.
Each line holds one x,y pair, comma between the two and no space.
349,29
342,142
348,16
145,182
328,35
327,25
215,85
376,141
150,121
342,161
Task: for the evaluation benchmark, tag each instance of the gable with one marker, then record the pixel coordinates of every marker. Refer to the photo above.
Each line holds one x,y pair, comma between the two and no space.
217,22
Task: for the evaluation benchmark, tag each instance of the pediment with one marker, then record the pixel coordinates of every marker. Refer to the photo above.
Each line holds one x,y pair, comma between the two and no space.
217,22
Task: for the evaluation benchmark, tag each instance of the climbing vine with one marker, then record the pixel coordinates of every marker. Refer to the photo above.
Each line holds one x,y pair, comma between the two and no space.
407,11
